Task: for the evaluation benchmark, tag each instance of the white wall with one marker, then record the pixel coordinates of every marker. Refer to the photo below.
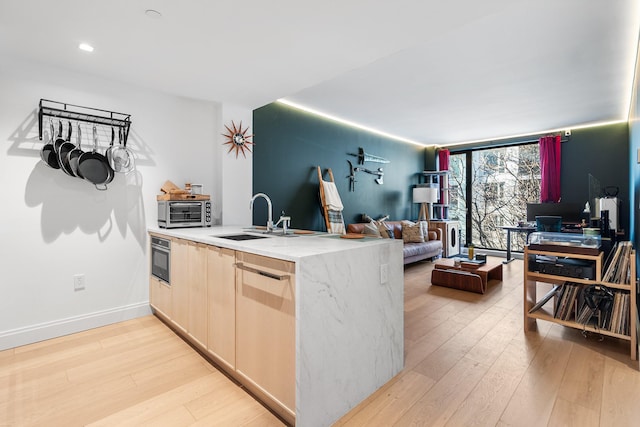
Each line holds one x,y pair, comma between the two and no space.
237,174
53,226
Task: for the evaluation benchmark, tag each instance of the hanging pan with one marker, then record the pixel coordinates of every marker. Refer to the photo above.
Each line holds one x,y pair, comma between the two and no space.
122,159
63,151
59,140
48,153
74,155
94,167
109,152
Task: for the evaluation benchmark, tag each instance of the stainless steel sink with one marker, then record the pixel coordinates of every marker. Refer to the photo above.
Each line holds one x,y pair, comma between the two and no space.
277,232
239,237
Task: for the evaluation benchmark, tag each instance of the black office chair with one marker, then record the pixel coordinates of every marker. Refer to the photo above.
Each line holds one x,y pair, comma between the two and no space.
549,223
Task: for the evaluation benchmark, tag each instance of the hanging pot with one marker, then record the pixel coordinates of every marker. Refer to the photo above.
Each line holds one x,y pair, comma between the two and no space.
122,159
59,140
94,166
63,151
109,152
48,154
74,155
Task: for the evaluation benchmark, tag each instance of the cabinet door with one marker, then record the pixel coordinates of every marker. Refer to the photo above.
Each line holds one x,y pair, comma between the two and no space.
179,282
197,284
265,323
160,296
221,295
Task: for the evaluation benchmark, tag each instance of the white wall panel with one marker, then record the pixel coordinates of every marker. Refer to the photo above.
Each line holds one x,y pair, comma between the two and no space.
53,226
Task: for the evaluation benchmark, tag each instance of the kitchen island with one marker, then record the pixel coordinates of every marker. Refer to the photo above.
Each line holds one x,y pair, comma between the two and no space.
340,301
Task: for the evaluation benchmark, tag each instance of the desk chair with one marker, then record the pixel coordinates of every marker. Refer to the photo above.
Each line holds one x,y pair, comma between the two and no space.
549,223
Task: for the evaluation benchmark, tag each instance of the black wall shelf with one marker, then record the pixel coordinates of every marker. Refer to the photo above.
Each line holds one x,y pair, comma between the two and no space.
64,111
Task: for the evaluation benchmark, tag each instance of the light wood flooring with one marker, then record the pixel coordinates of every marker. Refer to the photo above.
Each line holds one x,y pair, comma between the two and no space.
467,362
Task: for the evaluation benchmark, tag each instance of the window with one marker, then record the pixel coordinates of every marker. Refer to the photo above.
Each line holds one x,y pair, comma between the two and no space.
491,188
458,192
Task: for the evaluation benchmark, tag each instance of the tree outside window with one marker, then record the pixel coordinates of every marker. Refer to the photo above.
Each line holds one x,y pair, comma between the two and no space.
503,180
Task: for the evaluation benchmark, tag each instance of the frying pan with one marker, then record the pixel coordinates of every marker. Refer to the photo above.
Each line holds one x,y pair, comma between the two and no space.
63,151
122,157
59,140
109,151
94,166
48,153
74,155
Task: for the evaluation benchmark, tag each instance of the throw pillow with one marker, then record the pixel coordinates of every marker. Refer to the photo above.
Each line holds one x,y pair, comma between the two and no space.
425,230
385,231
371,229
412,233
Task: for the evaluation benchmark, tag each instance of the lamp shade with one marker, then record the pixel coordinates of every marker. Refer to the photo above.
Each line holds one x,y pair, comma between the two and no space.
425,195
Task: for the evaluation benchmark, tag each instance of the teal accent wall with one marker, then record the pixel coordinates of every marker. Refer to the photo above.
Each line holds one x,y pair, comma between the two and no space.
290,143
603,152
430,158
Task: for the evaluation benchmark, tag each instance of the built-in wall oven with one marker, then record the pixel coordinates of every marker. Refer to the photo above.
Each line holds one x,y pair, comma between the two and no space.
160,258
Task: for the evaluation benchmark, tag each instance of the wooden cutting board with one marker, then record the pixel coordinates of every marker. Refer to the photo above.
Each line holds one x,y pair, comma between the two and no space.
168,186
182,196
352,236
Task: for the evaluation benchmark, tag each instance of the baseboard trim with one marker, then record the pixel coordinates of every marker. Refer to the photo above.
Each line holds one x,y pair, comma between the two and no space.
57,328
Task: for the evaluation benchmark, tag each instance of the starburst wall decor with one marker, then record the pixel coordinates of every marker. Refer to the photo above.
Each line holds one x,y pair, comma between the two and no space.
238,139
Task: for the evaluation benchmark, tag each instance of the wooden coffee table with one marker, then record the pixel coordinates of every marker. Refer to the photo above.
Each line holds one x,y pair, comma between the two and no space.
468,277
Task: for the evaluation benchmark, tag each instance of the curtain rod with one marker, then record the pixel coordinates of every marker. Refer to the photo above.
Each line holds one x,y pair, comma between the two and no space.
497,143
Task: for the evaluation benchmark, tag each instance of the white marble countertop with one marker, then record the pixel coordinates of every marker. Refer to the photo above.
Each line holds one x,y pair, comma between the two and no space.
290,248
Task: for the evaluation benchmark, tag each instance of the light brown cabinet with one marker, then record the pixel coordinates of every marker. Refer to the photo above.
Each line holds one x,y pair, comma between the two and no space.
197,290
180,283
238,307
265,325
160,296
221,304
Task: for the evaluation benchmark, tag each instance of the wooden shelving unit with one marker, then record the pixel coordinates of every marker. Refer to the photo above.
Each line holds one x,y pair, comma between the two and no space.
439,180
532,280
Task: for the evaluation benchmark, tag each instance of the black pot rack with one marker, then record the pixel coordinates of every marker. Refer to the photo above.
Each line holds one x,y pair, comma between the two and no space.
61,110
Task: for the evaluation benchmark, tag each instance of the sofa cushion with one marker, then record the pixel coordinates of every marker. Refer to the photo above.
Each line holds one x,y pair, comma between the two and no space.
417,249
371,229
359,227
385,231
412,252
412,232
425,230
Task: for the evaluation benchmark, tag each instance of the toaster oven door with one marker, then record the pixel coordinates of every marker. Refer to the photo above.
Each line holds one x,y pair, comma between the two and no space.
185,213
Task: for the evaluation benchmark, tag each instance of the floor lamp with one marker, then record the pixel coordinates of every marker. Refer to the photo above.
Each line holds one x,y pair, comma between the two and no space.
425,195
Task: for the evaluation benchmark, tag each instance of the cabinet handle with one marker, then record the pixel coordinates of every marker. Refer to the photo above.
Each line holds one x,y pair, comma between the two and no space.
241,266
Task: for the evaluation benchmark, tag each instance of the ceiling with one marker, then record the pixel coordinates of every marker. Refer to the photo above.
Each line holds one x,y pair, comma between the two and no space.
429,71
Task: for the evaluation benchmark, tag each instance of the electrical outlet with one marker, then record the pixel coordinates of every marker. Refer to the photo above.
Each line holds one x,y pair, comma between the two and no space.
384,273
78,282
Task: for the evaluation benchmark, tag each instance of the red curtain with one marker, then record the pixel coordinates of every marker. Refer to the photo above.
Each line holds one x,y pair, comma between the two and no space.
550,169
443,159
443,162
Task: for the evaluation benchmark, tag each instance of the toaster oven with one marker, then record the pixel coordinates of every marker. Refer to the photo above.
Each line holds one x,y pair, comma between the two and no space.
180,214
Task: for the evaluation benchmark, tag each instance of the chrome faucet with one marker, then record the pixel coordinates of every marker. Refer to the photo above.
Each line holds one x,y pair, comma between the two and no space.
269,210
285,220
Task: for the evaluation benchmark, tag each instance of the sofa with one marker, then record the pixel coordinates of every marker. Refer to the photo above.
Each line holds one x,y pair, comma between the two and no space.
412,251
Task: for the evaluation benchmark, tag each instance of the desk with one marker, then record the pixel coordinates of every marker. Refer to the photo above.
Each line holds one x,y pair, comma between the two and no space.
509,229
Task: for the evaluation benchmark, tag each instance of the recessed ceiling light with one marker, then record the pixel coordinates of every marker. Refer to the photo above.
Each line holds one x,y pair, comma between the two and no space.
86,47
154,14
